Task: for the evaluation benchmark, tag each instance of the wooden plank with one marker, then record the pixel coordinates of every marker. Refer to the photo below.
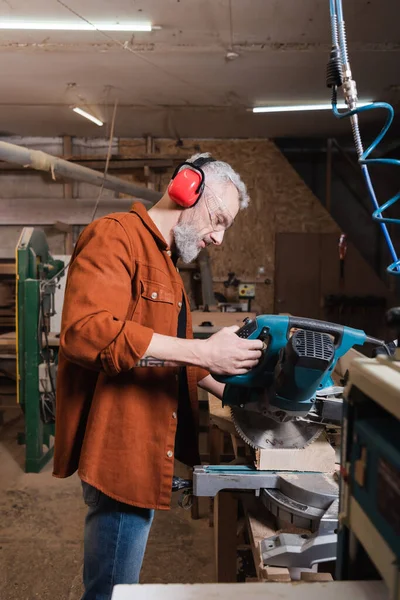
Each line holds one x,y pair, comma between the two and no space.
47,211
225,539
216,438
98,163
261,525
239,447
314,577
278,574
7,268
216,441
318,456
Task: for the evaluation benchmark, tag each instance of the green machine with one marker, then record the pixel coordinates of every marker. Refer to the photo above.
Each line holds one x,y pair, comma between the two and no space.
37,276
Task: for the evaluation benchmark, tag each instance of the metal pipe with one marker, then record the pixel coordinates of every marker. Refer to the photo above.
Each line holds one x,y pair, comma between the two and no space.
36,159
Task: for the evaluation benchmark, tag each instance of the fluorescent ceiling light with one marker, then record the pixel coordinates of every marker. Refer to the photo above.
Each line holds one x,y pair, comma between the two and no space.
300,107
83,113
76,26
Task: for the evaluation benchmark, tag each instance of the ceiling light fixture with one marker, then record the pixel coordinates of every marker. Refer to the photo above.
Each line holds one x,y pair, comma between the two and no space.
76,26
300,107
85,114
231,55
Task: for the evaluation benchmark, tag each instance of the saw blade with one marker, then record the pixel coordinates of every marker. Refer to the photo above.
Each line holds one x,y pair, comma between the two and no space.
261,431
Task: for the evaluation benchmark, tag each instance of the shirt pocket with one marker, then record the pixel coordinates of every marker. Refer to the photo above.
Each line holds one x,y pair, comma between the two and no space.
156,307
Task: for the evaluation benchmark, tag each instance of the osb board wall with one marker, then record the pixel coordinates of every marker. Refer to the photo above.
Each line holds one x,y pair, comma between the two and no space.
280,202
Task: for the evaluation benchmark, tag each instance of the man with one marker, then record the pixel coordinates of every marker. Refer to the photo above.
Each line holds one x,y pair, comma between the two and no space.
126,358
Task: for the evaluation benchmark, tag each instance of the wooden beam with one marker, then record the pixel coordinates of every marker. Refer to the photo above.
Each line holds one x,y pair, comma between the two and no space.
7,268
98,164
48,211
225,525
260,525
318,456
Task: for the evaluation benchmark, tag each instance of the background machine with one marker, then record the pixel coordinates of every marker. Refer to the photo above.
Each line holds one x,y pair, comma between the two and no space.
37,276
369,532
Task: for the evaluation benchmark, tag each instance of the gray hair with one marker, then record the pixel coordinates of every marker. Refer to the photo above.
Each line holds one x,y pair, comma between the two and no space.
221,172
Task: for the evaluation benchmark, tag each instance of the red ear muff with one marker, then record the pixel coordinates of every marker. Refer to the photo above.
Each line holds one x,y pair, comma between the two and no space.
186,185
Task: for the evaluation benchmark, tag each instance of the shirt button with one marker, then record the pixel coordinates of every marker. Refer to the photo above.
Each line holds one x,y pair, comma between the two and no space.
180,304
169,252
169,453
174,415
154,295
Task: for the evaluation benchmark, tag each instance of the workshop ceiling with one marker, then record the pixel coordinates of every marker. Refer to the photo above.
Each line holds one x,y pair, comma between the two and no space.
177,81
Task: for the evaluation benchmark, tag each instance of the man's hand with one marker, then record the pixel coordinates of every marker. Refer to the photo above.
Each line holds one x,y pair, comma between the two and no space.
225,353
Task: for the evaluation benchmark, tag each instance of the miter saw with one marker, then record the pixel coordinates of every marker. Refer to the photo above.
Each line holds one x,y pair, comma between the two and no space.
285,402
287,399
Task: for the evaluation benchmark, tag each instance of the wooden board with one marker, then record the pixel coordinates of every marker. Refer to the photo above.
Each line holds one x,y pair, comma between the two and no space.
225,536
261,525
35,211
314,577
7,268
7,341
318,456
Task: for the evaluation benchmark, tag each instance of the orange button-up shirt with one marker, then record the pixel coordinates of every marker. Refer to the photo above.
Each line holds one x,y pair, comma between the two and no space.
116,424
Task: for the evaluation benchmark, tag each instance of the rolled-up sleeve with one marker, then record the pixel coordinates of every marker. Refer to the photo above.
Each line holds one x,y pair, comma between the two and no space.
95,332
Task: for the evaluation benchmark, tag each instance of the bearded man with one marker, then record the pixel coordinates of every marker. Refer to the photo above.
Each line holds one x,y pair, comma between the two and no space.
129,366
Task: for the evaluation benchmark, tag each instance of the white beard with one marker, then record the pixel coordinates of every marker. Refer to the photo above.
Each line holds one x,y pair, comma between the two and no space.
187,242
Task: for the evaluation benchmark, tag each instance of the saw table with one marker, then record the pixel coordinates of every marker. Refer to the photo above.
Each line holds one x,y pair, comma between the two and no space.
304,501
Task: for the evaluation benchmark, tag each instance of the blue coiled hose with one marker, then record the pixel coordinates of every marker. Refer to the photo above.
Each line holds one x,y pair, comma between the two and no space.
339,39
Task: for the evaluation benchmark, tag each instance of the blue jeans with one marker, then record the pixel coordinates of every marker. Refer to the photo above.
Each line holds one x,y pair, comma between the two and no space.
115,540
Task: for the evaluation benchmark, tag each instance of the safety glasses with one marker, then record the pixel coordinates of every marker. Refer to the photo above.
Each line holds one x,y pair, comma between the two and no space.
220,217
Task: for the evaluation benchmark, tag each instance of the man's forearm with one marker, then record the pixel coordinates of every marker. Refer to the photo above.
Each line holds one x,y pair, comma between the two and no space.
166,351
223,353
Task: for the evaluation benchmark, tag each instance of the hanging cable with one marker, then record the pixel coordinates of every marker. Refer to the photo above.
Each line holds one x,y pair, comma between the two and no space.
46,282
343,77
107,160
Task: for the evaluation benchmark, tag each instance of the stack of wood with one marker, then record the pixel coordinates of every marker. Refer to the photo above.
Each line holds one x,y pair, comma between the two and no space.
7,338
7,296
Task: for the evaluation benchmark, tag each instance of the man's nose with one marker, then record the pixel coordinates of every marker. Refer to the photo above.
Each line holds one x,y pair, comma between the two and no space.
217,237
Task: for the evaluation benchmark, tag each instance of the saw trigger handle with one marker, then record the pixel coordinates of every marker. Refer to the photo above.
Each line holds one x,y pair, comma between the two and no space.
249,327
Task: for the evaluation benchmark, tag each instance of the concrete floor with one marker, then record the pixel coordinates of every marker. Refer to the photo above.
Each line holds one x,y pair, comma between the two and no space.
41,529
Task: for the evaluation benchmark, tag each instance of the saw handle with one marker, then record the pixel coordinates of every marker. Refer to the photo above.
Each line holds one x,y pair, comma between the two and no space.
345,337
321,326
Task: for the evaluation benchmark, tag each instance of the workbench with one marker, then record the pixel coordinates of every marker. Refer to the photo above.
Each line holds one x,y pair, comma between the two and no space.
346,590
